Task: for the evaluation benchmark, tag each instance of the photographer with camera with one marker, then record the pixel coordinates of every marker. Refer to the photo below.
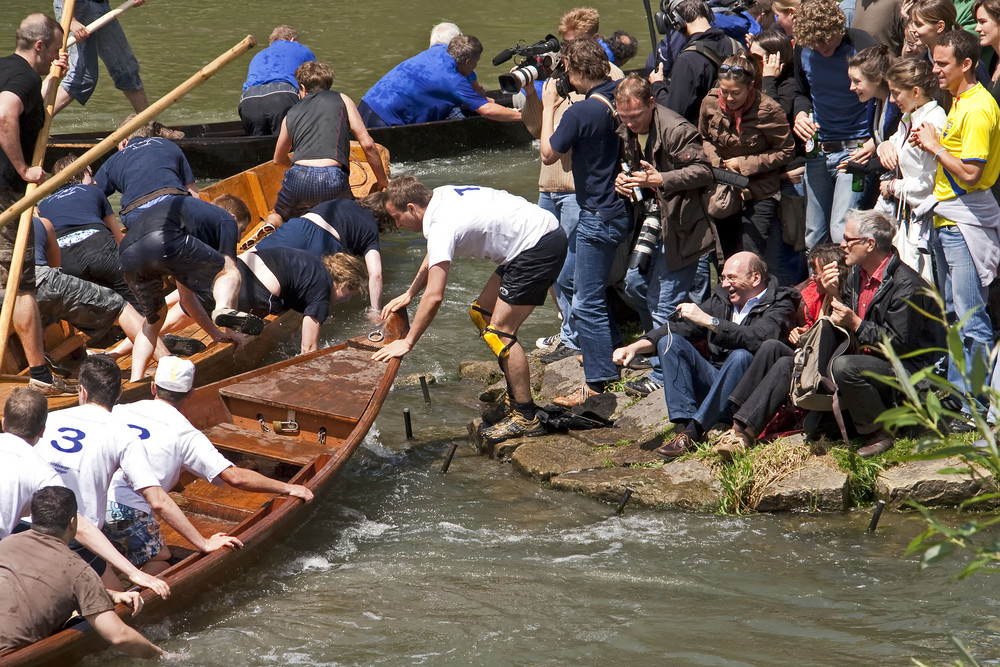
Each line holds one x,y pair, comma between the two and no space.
669,169
588,129
556,192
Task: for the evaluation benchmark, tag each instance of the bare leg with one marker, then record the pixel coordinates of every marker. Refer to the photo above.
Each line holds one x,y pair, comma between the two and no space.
28,327
274,220
138,99
508,319
111,580
131,323
145,343
226,288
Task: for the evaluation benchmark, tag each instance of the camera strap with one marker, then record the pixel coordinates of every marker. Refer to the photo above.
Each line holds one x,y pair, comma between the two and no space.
611,107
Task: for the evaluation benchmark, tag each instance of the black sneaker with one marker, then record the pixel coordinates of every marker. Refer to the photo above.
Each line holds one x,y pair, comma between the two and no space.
244,323
179,346
559,352
642,387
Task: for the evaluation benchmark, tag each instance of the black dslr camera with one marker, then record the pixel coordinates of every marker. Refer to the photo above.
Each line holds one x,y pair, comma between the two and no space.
538,62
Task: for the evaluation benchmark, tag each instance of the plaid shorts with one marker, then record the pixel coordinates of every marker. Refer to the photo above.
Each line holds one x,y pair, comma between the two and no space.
133,532
304,187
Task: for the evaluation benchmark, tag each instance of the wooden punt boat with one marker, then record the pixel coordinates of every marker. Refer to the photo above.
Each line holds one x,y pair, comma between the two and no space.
333,395
216,150
258,187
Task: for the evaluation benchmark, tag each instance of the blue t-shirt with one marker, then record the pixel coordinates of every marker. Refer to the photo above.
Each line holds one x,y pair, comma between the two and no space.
75,205
41,237
424,88
836,108
277,62
588,128
305,283
208,223
357,229
144,166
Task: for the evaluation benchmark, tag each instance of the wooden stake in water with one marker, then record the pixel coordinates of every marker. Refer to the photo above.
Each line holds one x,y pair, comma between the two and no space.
447,460
876,515
423,388
407,424
625,496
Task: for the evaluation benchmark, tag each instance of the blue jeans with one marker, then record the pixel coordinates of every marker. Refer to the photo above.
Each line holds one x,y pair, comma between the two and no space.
108,44
963,293
597,242
693,388
566,208
828,198
657,294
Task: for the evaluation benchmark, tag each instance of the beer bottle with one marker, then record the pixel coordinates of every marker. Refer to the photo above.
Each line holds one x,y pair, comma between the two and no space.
812,143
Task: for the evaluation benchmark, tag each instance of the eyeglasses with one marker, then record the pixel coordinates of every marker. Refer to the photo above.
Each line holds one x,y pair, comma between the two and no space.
733,70
851,240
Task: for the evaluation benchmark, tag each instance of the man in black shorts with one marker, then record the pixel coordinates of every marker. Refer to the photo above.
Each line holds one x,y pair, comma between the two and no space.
195,243
530,248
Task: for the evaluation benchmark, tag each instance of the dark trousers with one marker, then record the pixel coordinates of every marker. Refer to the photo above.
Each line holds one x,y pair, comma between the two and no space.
95,259
863,396
764,387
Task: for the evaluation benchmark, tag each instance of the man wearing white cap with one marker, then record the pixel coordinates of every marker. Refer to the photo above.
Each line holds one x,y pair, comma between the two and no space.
87,445
172,444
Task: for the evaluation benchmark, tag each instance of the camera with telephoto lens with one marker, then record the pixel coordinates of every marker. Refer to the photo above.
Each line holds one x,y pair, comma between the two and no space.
649,236
538,62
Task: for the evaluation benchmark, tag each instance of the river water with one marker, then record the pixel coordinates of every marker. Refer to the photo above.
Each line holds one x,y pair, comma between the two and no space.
401,565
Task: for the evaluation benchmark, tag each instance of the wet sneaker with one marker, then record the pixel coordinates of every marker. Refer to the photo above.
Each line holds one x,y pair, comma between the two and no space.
57,387
513,426
497,411
244,323
557,353
642,386
179,346
167,133
549,341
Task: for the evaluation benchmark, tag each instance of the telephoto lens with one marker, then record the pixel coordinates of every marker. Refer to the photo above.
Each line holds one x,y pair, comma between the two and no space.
649,235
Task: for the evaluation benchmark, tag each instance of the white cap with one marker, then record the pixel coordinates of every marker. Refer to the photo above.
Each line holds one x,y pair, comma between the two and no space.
174,374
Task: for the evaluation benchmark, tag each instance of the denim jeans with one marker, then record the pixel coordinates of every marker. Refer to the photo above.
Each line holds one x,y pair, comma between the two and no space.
109,44
596,244
693,388
828,198
657,294
566,208
963,293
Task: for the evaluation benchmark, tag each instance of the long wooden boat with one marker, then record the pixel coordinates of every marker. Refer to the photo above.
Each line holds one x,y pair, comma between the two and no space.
216,150
258,187
332,395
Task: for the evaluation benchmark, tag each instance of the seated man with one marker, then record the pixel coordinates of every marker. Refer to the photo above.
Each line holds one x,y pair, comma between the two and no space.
42,583
429,85
193,242
271,89
172,444
524,239
24,472
276,279
336,226
86,445
319,130
746,309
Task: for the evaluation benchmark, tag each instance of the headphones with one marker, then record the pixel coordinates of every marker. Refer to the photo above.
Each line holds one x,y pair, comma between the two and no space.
669,19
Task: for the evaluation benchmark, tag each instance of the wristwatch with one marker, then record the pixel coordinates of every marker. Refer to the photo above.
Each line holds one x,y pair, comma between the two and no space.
714,324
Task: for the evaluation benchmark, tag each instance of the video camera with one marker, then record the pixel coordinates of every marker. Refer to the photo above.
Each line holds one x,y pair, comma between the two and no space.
538,62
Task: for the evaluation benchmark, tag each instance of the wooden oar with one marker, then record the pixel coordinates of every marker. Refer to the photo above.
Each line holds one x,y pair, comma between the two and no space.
103,21
36,194
24,226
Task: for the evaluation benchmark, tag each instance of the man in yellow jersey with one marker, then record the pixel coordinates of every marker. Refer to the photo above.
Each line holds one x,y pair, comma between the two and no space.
966,236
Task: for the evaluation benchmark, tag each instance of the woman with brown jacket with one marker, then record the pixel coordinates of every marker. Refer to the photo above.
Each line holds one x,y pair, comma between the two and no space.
747,132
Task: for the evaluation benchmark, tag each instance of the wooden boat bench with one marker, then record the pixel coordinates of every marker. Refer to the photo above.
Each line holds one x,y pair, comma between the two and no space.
282,448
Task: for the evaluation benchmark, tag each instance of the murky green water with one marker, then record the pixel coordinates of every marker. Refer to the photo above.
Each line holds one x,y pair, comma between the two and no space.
403,565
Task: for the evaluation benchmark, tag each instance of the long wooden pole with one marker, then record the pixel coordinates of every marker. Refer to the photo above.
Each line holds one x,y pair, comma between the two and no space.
104,20
24,226
36,194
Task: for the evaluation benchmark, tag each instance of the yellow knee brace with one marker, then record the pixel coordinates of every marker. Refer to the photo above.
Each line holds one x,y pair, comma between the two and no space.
492,338
478,316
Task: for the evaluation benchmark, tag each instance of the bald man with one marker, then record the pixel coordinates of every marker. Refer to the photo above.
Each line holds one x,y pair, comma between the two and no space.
746,309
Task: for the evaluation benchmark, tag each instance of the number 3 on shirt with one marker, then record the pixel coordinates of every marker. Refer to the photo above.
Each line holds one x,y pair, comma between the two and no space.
74,436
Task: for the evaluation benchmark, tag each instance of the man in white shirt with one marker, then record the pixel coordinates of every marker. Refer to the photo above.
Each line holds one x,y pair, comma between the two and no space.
530,248
171,445
86,445
24,472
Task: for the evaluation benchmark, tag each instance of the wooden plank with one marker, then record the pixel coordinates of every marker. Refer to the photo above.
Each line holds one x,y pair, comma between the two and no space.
206,525
225,496
309,388
284,448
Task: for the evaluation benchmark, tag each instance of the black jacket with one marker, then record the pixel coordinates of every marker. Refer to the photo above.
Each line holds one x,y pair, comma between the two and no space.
693,75
771,318
890,314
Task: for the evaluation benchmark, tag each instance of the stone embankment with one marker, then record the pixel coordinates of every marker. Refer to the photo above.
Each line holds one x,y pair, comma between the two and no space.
787,475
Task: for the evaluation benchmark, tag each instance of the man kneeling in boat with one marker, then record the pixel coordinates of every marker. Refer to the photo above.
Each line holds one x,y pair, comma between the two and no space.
42,583
172,444
524,239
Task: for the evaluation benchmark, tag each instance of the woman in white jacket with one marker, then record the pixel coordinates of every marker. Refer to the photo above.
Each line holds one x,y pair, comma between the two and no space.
912,86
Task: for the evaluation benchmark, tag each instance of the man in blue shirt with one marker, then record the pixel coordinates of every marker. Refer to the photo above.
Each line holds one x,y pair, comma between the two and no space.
428,86
271,89
588,129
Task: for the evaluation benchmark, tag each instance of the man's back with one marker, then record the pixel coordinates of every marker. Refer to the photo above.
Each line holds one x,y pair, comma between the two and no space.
277,63
23,472
142,167
42,583
694,73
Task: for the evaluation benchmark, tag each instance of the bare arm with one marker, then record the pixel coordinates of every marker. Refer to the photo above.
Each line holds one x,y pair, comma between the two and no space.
51,245
430,302
283,147
167,509
124,638
373,261
91,537
365,140
251,480
404,299
499,112
310,334
116,230
10,137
